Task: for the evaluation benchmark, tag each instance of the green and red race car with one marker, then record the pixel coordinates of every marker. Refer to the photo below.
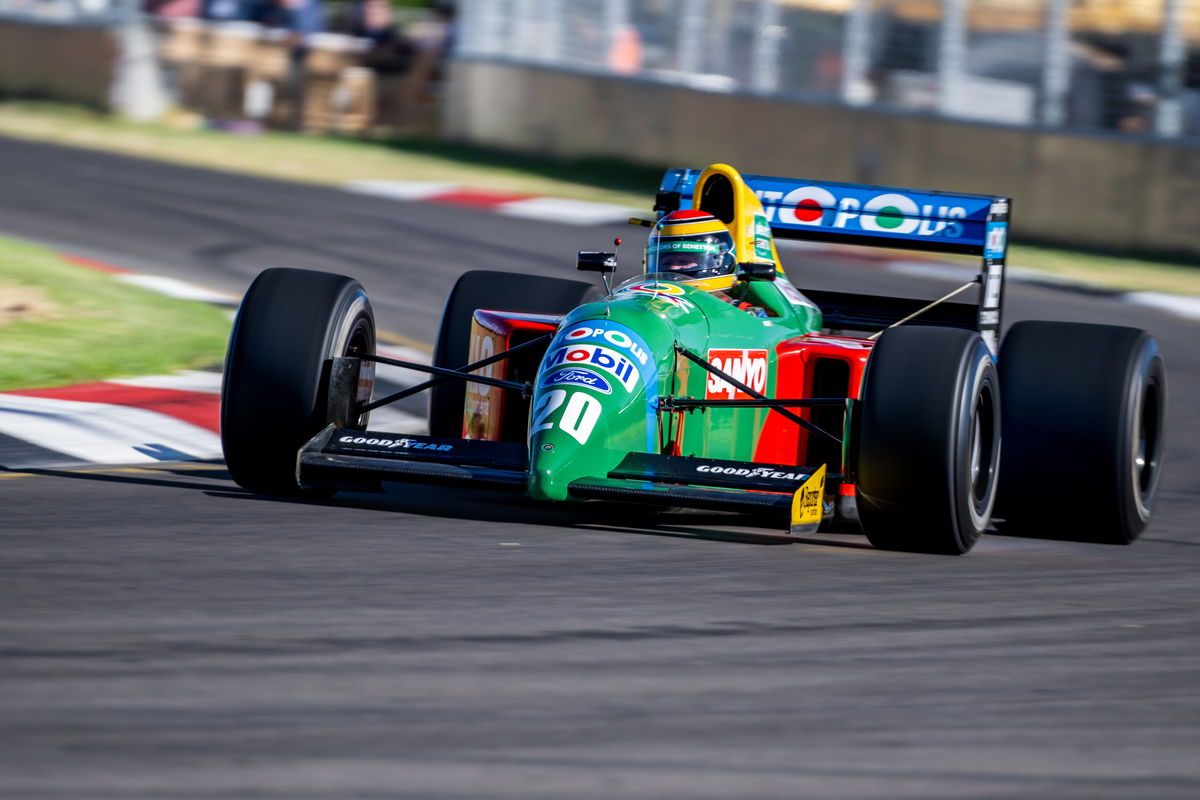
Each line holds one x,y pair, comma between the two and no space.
710,381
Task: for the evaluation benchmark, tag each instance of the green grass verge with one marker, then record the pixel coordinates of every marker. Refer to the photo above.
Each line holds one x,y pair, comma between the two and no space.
62,324
1108,271
334,160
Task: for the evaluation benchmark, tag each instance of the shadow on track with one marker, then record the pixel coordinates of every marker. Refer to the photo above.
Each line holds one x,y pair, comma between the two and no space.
499,507
141,477
475,505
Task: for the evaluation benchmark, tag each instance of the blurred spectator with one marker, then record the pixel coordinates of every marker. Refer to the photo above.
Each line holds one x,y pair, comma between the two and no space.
225,10
1191,112
625,54
301,17
441,39
172,9
408,65
389,52
1137,108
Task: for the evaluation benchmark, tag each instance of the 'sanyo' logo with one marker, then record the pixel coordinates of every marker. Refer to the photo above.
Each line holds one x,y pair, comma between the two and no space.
887,213
745,366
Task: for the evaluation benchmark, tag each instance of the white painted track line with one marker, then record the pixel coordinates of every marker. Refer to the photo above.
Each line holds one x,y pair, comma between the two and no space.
1180,305
569,212
171,287
400,190
184,381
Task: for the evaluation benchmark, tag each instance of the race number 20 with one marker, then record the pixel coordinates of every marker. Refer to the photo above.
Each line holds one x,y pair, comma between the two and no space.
577,419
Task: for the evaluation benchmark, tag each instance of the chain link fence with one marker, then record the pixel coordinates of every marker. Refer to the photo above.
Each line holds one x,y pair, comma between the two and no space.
1124,66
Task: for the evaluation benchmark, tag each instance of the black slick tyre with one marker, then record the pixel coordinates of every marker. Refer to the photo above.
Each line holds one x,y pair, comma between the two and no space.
1084,423
508,291
927,444
289,324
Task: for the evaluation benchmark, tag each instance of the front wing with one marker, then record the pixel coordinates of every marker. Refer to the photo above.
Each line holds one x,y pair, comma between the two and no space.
340,458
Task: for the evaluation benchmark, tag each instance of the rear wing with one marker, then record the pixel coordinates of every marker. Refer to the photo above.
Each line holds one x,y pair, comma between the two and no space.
880,216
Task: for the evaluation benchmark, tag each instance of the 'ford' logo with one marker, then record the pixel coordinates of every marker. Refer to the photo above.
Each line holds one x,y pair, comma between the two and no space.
579,377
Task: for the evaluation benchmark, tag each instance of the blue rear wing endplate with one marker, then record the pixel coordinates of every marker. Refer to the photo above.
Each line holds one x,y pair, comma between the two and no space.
884,216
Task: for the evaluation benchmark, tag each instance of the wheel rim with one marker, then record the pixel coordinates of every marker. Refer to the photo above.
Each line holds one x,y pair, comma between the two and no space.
354,335
360,340
354,331
982,449
1147,443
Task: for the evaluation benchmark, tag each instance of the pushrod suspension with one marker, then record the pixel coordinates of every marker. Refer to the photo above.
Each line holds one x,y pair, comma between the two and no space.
444,375
441,379
670,402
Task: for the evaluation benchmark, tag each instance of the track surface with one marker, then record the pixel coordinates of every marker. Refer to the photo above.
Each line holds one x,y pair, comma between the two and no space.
168,635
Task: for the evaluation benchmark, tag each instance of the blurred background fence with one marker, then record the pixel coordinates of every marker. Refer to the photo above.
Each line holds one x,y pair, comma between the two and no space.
1119,65
1086,112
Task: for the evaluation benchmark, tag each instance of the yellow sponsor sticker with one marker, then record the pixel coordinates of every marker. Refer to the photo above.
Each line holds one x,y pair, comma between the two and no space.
808,503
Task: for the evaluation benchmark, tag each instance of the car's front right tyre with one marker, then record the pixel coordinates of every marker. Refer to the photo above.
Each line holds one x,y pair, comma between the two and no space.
290,323
927,444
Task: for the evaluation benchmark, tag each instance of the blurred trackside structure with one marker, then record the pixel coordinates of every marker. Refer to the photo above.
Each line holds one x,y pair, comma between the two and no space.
70,54
236,70
1087,112
107,54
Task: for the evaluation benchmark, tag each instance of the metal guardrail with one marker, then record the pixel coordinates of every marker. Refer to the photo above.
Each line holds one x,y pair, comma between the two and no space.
1127,66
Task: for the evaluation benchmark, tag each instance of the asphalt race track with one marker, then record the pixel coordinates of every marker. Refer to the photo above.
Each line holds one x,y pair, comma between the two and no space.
166,634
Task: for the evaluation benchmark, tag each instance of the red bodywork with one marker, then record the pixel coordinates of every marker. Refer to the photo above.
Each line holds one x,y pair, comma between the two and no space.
819,366
493,332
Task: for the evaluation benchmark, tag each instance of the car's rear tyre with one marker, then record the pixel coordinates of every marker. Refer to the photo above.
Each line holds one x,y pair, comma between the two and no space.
928,440
290,323
507,291
1084,418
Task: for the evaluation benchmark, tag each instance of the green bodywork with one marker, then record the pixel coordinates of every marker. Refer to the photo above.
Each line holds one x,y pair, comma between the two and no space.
579,430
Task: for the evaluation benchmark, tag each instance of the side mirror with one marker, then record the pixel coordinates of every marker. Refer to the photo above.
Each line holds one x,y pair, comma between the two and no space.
756,271
596,261
667,201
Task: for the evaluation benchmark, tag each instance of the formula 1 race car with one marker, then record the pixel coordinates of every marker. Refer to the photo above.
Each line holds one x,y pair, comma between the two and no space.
709,381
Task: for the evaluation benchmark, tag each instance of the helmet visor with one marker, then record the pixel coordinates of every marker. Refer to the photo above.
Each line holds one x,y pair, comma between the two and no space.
697,259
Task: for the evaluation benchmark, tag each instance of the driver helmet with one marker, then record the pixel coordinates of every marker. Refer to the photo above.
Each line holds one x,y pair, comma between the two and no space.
692,242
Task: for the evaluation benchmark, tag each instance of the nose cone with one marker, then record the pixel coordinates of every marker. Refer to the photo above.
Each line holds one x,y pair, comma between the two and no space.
595,398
